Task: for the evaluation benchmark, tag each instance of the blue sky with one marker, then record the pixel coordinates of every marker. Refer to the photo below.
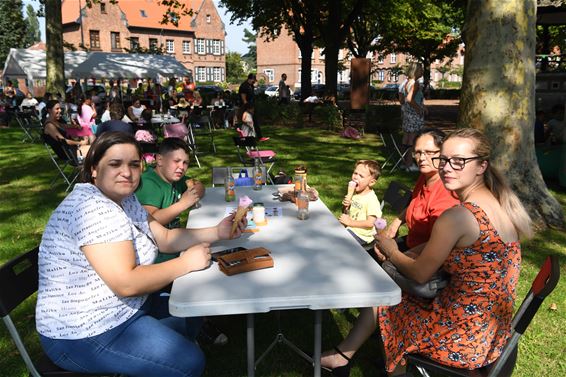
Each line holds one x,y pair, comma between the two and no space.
234,33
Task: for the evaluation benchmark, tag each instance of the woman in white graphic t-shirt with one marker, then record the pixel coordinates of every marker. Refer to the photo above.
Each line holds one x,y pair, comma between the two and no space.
94,311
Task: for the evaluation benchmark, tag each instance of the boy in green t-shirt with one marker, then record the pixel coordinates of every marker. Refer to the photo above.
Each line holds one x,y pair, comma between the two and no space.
165,192
363,208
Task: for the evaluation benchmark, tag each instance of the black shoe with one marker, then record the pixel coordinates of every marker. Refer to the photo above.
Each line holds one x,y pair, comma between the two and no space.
211,335
344,370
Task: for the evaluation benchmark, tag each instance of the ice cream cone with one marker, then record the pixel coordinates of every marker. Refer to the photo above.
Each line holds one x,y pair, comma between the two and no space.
351,190
380,224
243,208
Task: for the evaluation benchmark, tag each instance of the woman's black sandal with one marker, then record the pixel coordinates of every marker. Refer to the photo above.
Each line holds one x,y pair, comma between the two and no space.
344,370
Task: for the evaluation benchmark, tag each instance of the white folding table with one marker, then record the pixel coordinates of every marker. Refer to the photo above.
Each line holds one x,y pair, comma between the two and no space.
317,265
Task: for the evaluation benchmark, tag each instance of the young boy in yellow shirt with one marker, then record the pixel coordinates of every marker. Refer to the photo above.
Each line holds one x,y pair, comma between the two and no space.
363,208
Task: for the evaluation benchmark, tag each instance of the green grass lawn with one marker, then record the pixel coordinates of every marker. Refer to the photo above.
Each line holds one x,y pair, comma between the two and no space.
26,203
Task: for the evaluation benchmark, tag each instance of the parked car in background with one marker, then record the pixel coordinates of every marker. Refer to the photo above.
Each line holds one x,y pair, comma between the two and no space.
260,89
272,91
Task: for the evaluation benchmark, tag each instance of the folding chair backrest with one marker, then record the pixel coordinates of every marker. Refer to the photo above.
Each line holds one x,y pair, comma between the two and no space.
544,283
397,196
18,281
55,147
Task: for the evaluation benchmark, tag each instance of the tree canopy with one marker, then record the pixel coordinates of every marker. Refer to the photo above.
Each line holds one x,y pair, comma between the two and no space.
425,29
234,69
33,34
12,28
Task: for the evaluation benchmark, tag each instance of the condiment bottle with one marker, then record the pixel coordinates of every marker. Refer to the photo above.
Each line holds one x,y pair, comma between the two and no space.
229,186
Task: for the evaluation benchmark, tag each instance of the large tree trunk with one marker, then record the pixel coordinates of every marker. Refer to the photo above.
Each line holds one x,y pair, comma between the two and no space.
498,94
55,54
331,69
306,67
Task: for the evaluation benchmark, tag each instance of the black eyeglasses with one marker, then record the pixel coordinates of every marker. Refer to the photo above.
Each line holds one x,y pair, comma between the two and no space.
456,163
429,154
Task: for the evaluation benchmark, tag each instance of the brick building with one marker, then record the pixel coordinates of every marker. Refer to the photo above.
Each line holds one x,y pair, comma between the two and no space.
282,55
198,41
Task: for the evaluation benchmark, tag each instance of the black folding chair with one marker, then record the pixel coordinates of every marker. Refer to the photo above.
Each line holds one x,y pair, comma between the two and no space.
19,280
65,159
542,286
29,123
397,196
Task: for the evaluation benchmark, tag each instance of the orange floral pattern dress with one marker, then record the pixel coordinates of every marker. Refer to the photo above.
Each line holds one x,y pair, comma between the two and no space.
468,323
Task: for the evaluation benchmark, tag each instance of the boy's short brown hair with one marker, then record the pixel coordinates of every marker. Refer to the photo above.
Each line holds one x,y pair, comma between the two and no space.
372,166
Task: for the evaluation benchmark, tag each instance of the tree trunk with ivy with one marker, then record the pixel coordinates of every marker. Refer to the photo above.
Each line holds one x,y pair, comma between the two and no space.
498,94
55,57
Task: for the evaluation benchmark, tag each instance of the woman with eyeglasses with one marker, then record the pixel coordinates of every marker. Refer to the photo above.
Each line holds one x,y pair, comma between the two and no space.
468,323
430,197
429,200
95,313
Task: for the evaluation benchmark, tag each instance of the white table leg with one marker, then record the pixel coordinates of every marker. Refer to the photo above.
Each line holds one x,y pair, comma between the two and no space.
251,344
317,341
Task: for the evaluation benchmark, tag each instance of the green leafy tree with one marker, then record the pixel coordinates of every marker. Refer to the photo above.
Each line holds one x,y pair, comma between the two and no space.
251,56
12,27
443,69
33,34
234,69
268,17
425,29
365,30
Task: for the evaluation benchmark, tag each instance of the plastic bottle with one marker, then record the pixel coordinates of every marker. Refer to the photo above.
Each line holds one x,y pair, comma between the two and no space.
258,176
229,186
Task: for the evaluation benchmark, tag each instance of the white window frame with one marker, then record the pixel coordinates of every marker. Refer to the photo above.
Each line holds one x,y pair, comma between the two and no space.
299,76
270,73
300,55
200,46
186,47
200,75
314,76
217,73
380,59
208,18
393,58
170,46
216,47
381,75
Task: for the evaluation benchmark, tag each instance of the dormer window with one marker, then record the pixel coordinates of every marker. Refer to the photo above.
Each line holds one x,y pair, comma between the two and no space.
142,12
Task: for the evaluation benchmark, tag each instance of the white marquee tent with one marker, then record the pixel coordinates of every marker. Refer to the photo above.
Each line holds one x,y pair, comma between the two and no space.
31,65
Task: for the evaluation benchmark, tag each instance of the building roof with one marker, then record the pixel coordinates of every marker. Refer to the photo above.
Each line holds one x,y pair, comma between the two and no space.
139,13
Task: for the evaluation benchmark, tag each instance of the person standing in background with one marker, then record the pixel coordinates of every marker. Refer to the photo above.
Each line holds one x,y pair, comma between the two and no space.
284,92
247,95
